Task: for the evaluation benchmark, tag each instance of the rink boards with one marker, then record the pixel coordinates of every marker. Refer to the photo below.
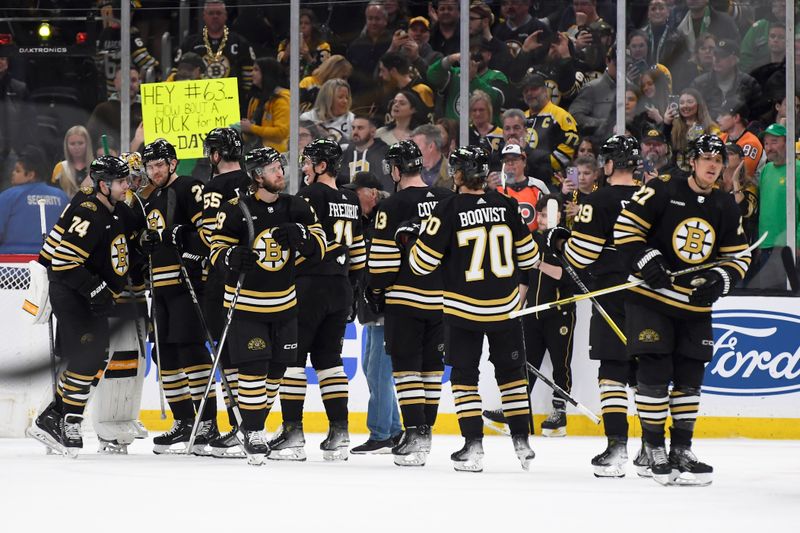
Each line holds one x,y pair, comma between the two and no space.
752,386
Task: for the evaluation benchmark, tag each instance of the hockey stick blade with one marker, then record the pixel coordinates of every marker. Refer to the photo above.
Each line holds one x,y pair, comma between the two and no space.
634,283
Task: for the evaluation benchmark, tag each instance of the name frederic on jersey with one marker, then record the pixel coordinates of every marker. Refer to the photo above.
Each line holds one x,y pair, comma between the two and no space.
343,211
482,215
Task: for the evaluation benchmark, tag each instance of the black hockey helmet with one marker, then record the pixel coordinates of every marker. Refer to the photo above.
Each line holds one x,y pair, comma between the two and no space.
472,160
225,141
108,168
405,155
159,149
623,150
257,158
320,150
707,144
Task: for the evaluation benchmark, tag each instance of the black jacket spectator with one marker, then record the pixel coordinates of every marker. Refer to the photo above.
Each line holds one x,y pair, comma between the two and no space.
744,89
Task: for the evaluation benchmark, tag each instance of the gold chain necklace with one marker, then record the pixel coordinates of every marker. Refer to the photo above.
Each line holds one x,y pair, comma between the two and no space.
215,56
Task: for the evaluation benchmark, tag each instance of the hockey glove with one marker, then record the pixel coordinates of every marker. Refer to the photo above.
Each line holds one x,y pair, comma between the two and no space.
653,268
407,233
376,300
556,237
710,286
149,241
101,299
177,234
240,259
291,235
353,313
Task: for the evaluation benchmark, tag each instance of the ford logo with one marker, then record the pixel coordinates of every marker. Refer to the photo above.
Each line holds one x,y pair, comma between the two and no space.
756,353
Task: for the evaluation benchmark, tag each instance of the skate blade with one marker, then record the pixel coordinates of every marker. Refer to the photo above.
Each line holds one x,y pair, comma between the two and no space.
52,446
474,465
339,454
256,459
112,448
200,450
558,432
72,453
495,426
664,479
687,479
610,471
139,431
412,459
167,449
234,452
382,451
643,471
287,454
525,461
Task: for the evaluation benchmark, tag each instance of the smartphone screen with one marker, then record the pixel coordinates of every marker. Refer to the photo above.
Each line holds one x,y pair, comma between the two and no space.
648,166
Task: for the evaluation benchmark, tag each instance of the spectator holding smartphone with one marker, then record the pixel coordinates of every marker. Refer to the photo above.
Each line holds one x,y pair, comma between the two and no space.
686,122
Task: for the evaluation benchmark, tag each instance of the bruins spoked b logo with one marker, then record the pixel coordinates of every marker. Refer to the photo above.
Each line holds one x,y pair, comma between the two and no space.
693,240
155,220
271,256
119,255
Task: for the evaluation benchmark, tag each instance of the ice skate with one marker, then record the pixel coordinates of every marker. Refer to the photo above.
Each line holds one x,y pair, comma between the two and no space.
470,457
71,434
660,466
496,421
523,450
175,440
642,464
206,432
255,446
114,437
334,447
288,444
611,463
556,424
373,447
687,470
47,430
140,432
410,451
227,446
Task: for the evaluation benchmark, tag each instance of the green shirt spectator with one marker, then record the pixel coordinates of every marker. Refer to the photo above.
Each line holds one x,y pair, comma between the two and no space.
772,184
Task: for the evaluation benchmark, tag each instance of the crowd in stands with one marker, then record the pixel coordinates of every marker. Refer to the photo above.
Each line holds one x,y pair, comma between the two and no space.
542,77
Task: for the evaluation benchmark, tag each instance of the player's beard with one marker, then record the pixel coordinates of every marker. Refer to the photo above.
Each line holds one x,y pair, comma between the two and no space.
274,187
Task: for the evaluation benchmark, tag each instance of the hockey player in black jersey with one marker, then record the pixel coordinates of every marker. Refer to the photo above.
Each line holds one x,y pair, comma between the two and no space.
590,247
669,226
480,242
88,264
223,148
414,329
174,211
325,292
263,330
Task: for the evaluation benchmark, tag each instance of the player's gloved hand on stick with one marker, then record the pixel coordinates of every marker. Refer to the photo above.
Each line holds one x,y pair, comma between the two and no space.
177,234
291,235
149,240
407,233
710,286
376,300
556,237
101,299
353,314
653,267
240,259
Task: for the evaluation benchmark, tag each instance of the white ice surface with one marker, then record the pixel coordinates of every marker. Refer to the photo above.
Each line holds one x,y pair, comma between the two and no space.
756,488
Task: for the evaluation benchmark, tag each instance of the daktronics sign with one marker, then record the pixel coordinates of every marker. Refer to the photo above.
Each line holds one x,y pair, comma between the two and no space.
756,353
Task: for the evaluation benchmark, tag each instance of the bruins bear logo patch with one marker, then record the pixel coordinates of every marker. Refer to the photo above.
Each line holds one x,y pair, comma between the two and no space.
256,343
649,335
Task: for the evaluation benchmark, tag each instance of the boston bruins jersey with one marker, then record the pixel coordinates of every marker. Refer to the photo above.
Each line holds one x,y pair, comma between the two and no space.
235,61
481,243
92,243
180,202
339,212
131,213
591,245
216,193
54,237
108,54
268,292
689,229
553,138
389,270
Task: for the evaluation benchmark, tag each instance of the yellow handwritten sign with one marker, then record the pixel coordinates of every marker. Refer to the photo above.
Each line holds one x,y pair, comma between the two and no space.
183,112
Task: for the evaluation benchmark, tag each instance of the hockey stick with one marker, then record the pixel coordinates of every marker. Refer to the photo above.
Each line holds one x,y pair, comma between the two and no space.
53,366
634,283
204,325
228,319
791,269
564,395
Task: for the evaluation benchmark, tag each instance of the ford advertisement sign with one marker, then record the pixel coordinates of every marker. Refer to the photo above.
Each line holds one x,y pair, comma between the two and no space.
756,353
